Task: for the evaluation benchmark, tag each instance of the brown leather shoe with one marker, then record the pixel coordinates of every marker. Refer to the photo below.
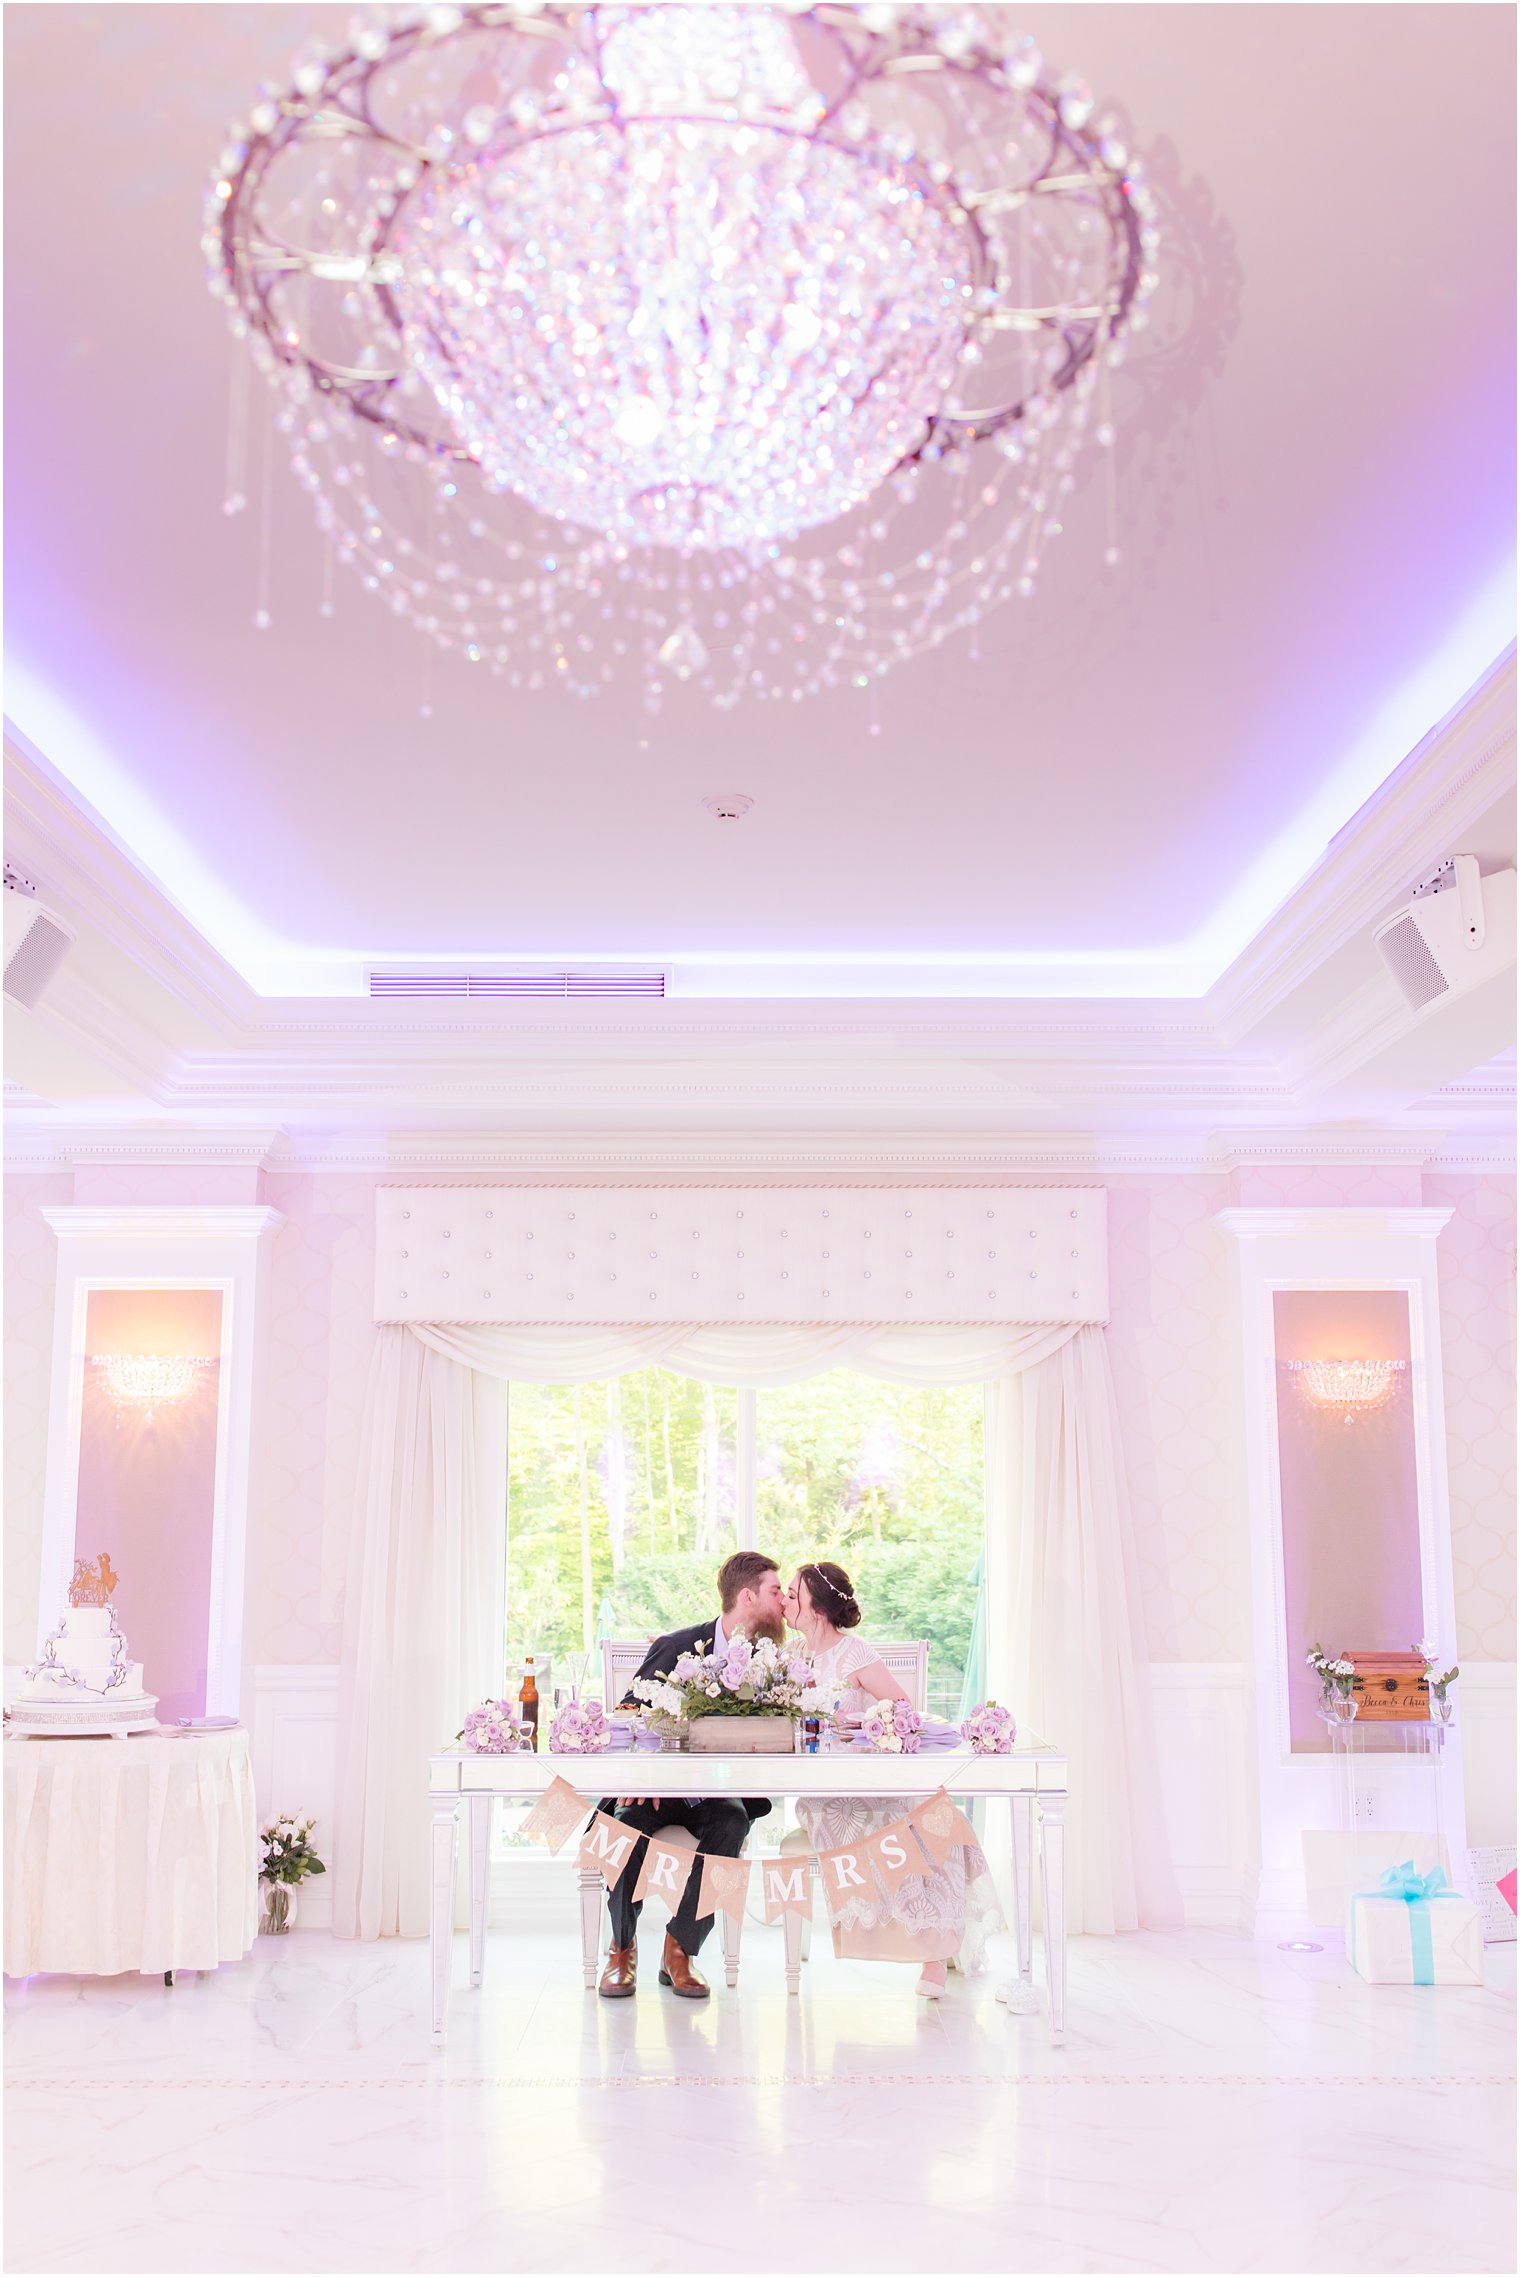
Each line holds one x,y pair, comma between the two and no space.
677,1972
620,1977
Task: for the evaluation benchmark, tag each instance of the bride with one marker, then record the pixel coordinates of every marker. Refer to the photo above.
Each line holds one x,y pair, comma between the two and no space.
940,1915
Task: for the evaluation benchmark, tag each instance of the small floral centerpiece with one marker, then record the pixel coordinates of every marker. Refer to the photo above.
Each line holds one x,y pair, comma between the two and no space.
891,1727
990,1729
748,1679
1440,1706
494,1729
580,1727
288,1858
1337,1674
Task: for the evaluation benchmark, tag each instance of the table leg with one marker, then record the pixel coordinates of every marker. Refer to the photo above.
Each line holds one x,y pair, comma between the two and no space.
480,1881
1022,1810
791,1927
445,1852
592,1891
1053,1893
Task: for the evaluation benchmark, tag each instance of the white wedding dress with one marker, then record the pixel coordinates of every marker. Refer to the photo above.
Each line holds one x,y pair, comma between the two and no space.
945,1913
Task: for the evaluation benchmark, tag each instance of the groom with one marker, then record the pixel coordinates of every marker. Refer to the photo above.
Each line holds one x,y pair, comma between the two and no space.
749,1593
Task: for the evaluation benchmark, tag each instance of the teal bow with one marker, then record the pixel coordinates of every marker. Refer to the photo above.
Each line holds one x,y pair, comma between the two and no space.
1403,1882
1415,1891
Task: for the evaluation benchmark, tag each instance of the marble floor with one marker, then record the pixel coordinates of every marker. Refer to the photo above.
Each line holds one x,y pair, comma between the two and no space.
1218,2105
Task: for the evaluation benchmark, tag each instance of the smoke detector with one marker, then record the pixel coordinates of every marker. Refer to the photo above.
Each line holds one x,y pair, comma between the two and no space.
729,806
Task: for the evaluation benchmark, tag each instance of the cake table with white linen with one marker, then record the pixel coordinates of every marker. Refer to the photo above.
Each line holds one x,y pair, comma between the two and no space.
1033,1780
137,1853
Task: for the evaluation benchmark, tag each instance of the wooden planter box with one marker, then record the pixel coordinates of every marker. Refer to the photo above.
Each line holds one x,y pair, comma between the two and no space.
739,1735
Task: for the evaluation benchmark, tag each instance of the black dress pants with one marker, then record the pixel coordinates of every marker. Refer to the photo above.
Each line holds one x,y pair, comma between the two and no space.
720,1825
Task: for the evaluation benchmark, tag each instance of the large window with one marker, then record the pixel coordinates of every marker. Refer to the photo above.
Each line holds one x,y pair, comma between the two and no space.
624,1497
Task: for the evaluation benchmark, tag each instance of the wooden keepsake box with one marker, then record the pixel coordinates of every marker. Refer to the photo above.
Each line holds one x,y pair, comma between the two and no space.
1390,1688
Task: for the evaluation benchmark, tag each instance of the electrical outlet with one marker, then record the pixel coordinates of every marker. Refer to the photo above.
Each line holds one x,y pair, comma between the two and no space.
1364,1809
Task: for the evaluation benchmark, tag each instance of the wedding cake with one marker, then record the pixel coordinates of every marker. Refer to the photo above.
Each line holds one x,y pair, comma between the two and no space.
84,1683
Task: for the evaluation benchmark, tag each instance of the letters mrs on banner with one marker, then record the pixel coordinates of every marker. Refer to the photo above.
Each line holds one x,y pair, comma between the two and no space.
919,1842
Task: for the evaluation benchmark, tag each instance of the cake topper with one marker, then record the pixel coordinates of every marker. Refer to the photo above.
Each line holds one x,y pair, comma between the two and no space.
92,1583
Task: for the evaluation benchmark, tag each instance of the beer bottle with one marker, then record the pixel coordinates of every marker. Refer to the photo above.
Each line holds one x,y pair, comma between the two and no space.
527,1701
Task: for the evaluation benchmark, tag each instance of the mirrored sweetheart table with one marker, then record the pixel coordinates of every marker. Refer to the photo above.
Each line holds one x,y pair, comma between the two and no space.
1033,1780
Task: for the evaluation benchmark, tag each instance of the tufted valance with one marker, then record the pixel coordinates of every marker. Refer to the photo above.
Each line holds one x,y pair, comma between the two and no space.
658,1256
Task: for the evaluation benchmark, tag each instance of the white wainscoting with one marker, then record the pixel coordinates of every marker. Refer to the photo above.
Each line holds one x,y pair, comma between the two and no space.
1200,1730
1202,1745
295,1761
1485,1696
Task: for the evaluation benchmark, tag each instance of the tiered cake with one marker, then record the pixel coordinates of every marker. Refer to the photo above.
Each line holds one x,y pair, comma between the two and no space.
84,1684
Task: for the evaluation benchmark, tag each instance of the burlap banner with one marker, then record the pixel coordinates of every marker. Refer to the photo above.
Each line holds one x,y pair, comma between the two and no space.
556,1815
724,1887
878,1864
894,1855
608,1844
664,1871
787,1884
942,1826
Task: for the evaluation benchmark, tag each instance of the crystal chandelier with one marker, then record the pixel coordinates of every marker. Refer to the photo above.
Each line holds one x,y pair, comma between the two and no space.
1355,1387
752,346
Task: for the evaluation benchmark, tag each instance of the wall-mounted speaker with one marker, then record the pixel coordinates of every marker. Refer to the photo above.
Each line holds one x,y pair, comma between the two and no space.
1454,936
36,942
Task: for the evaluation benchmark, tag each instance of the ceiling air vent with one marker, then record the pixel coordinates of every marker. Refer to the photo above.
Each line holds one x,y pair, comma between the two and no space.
560,984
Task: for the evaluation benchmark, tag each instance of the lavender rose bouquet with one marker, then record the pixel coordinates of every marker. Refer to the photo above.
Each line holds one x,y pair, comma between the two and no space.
493,1729
580,1727
990,1729
891,1727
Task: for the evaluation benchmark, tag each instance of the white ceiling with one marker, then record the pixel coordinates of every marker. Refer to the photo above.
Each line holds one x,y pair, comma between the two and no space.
1316,503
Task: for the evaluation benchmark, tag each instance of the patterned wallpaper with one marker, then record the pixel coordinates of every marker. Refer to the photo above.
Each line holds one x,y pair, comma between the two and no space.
1170,1343
1477,1275
1170,1340
31,1265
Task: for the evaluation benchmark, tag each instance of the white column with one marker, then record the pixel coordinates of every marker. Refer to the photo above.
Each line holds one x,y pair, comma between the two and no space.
1330,1249
153,1247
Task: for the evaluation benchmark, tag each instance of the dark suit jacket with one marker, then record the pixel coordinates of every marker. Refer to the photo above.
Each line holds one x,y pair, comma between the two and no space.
660,1660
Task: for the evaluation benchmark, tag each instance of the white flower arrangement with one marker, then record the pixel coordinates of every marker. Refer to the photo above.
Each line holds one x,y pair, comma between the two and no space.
288,1855
1427,1652
1336,1673
750,1677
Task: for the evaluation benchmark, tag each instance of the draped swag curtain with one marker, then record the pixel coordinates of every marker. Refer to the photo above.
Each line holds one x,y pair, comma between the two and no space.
422,1629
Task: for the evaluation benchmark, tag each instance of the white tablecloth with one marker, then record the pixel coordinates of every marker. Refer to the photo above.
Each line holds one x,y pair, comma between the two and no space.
137,1853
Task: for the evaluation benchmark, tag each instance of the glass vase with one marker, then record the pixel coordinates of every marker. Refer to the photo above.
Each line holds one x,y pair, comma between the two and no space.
1440,1708
279,1908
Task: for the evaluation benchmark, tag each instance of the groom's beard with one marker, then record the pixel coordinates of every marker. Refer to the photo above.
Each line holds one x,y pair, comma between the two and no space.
769,1625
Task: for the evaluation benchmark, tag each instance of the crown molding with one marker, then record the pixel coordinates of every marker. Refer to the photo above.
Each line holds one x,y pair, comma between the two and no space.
1414,821
138,1221
42,1149
1356,1224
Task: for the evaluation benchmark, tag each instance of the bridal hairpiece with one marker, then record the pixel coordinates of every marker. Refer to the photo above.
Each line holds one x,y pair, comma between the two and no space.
845,1596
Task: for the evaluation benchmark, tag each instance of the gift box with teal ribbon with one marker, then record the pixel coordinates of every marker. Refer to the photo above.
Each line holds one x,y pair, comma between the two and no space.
1414,1929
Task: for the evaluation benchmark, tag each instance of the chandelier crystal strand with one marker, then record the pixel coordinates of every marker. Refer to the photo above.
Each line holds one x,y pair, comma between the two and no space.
744,348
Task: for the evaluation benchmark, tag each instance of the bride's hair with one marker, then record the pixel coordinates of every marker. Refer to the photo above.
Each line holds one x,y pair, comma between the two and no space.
833,1594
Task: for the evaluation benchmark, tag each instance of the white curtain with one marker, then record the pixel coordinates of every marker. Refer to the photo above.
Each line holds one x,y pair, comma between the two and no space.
1062,1602
1063,1630
422,1621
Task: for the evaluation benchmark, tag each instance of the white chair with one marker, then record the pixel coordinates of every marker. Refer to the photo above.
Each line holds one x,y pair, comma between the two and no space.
621,1661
